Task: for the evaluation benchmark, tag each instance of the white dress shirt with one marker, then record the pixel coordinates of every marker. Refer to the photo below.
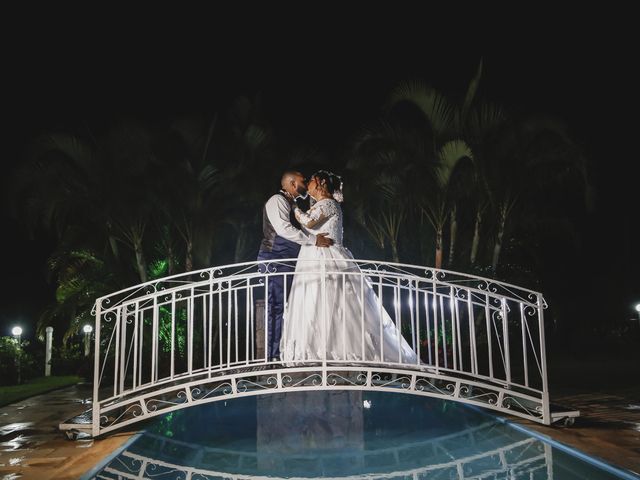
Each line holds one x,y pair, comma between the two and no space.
278,210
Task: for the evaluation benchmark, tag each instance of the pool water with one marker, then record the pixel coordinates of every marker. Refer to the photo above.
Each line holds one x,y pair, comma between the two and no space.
341,434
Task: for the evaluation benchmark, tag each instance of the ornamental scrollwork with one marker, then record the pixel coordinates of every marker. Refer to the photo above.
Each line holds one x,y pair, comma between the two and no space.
243,385
403,382
460,293
316,380
509,402
134,410
529,310
333,380
153,403
198,393
109,316
423,384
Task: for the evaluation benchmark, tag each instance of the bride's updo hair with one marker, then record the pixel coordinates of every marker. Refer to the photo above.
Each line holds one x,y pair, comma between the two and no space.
333,183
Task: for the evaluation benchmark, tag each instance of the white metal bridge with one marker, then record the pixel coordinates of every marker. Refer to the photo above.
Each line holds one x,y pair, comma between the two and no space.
200,337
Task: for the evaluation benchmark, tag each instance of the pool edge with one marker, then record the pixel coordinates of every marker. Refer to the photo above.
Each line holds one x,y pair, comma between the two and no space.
590,459
593,460
93,471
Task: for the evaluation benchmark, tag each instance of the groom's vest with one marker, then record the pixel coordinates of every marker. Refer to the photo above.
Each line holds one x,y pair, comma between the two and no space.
273,244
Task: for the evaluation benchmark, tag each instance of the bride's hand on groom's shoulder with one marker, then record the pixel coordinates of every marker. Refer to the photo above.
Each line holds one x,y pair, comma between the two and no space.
323,241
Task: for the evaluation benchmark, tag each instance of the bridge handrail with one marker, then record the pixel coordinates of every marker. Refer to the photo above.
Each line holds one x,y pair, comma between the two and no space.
248,276
434,277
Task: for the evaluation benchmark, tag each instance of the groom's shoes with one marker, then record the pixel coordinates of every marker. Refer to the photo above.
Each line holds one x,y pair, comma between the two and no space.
275,362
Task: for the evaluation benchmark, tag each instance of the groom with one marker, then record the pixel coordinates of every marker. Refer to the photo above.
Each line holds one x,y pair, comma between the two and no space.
282,239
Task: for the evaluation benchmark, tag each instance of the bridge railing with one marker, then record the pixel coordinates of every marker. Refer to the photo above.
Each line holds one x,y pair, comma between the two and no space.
204,323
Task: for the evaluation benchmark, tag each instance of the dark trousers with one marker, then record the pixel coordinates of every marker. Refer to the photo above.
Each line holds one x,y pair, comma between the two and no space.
275,290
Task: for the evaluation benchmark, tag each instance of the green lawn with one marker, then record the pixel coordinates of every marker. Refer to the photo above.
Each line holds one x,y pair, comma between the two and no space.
33,387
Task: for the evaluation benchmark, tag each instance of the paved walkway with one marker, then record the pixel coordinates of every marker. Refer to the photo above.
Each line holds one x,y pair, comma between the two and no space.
31,447
608,427
607,393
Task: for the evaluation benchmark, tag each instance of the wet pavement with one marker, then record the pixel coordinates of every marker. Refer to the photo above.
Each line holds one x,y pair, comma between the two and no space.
606,390
32,447
608,427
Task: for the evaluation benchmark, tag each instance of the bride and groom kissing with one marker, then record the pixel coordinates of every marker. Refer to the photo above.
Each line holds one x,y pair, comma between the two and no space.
338,317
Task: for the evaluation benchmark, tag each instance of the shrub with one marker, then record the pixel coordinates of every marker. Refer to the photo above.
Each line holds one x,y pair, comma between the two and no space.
70,360
9,356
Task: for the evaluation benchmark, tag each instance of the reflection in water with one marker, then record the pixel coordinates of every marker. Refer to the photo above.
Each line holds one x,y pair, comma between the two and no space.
336,435
291,428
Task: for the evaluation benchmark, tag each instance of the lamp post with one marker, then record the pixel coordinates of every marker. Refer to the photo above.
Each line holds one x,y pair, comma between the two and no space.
17,332
638,310
87,329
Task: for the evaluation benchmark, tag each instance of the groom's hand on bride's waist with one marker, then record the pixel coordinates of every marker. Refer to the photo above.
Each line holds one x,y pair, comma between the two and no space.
323,241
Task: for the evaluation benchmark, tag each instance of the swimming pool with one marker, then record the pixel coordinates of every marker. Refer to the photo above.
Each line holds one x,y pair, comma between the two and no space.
343,434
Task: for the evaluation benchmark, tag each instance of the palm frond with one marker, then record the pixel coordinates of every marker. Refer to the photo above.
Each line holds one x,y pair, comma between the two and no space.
255,138
450,155
471,90
435,107
71,147
484,119
208,177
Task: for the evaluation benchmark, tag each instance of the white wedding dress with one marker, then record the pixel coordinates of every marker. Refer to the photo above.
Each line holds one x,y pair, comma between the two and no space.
350,334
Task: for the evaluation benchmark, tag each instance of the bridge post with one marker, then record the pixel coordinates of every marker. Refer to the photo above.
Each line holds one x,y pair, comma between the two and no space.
95,418
546,408
325,307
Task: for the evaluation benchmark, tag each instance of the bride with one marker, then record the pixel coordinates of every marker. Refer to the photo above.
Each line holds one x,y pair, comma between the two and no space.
350,333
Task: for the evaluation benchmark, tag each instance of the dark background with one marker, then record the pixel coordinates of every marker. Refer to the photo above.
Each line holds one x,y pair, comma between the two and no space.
323,78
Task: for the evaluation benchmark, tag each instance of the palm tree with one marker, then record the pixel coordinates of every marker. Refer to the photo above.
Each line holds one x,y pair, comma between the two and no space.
385,167
55,183
480,123
446,147
450,157
101,185
452,128
130,147
527,158
248,152
188,182
81,275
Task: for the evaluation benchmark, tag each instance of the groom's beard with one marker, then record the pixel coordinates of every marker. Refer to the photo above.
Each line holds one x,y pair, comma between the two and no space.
302,192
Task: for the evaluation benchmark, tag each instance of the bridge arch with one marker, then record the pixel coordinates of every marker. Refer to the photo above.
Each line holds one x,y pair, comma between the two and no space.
200,337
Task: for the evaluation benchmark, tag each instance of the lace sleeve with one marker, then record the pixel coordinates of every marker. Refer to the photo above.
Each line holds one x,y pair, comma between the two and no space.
314,217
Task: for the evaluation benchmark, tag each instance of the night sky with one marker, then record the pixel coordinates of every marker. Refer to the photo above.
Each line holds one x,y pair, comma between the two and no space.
319,85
